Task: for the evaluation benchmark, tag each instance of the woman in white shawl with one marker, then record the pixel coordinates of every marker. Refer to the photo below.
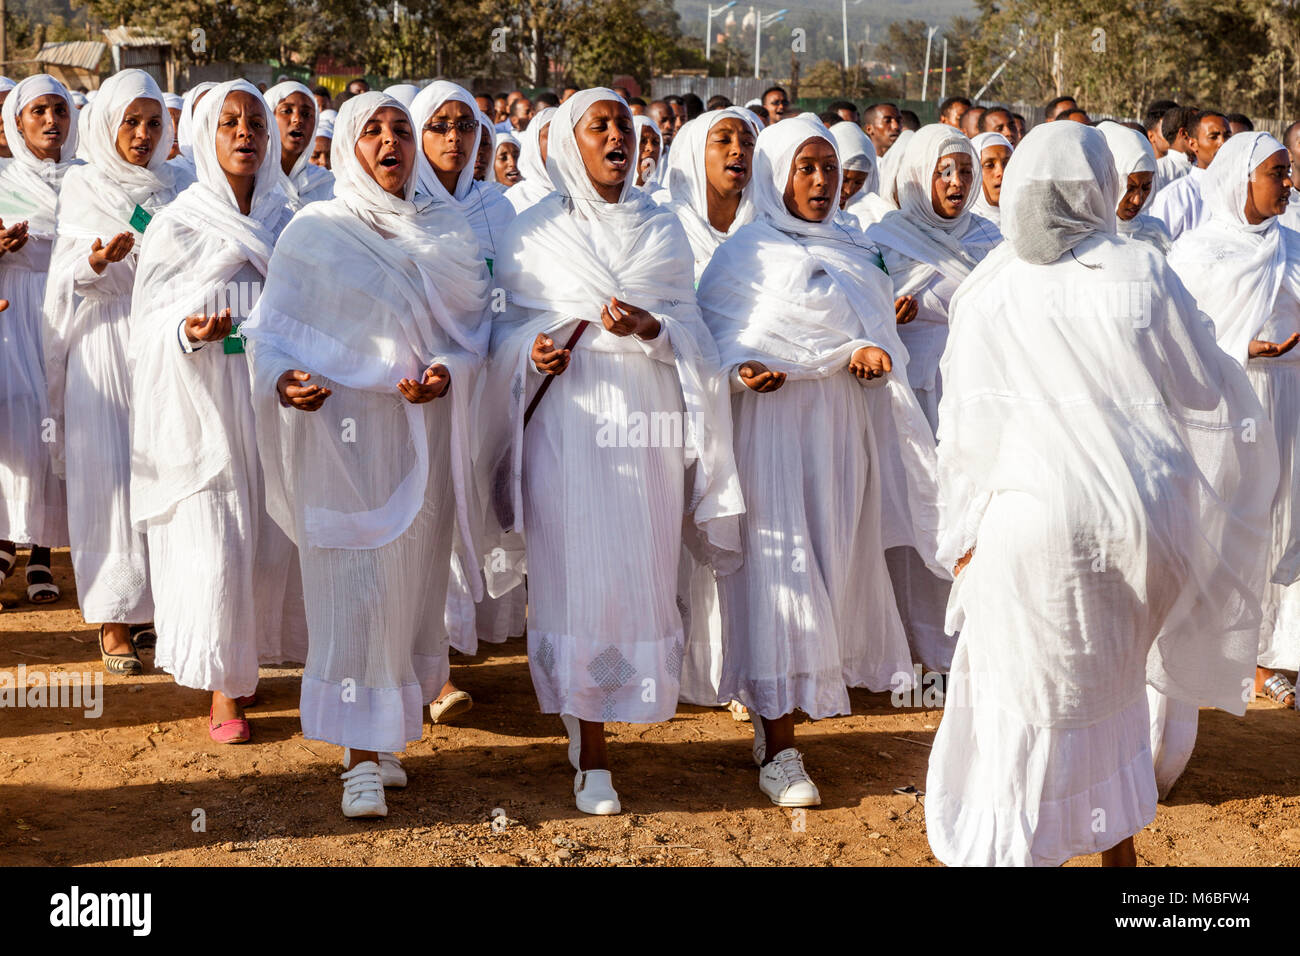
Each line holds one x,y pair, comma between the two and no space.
184,163
598,498
994,152
295,113
649,163
226,588
859,171
930,244
504,168
320,153
174,103
6,153
828,455
372,509
1104,514
869,206
1135,162
40,125
533,167
1244,270
104,209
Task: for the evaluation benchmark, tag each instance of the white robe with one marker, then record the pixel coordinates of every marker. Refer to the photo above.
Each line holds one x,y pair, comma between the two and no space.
1170,167
1180,205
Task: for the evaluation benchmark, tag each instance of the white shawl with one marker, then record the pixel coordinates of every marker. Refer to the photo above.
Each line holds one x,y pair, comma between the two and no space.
536,184
306,182
1132,153
29,187
414,294
981,206
1106,399
192,248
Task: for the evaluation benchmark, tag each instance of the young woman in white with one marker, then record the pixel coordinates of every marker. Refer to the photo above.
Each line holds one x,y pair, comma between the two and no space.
602,313
860,173
295,115
1135,162
227,591
1243,268
1104,514
106,206
503,171
536,183
803,314
41,129
361,381
994,152
183,164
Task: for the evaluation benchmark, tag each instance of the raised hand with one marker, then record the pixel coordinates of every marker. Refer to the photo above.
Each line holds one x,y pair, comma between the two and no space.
904,309
870,362
760,378
296,393
14,237
116,250
208,328
1259,348
547,358
962,562
435,384
621,318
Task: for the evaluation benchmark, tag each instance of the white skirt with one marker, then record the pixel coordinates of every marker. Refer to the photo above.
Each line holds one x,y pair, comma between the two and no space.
603,533
811,612
32,505
109,557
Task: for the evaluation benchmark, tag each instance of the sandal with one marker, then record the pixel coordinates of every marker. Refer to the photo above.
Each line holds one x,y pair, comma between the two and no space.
738,710
1277,689
7,561
41,592
124,665
144,637
234,731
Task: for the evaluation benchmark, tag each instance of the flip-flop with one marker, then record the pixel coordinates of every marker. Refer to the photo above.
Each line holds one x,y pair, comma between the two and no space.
41,592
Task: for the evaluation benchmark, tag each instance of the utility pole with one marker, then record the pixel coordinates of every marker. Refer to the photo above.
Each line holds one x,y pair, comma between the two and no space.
4,58
943,74
925,75
760,22
844,13
708,28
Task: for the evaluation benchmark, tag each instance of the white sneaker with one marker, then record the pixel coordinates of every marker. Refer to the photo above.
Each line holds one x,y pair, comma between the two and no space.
595,792
760,740
786,782
363,791
390,768
575,739
446,709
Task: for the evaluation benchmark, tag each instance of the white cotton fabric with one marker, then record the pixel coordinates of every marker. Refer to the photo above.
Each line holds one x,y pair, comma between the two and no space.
1246,278
305,182
184,163
488,211
857,154
981,205
372,510
404,93
1180,205
688,185
580,495
32,498
869,208
227,590
1171,166
536,184
653,184
1118,522
325,123
173,101
833,470
1133,153
86,347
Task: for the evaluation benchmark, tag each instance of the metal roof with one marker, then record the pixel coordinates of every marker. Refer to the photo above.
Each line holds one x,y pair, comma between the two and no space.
125,36
82,54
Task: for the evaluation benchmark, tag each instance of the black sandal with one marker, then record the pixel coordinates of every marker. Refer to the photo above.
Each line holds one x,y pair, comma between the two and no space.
144,637
41,592
124,665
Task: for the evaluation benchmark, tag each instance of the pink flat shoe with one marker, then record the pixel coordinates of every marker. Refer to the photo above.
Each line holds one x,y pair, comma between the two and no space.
234,731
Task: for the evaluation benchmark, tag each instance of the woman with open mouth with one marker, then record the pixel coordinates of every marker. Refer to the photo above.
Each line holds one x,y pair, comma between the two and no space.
295,114
803,314
536,182
226,587
450,126
504,168
374,513
601,331
106,206
930,244
40,126
649,150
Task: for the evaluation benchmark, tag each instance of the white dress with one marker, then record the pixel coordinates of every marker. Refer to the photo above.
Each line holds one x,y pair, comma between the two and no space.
1180,205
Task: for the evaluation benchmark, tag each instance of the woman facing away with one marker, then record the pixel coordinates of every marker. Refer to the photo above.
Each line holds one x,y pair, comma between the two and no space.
1104,514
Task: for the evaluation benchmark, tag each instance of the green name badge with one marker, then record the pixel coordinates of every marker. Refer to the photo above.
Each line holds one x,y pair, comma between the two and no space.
489,262
140,219
233,344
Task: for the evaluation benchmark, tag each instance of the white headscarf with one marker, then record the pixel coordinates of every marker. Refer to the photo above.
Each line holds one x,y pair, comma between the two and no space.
687,180
537,180
404,93
981,206
184,138
1235,269
564,162
765,291
193,247
418,267
1132,153
6,84
29,187
916,241
173,101
306,182
890,163
654,177
498,140
858,153
1061,189
325,123
100,199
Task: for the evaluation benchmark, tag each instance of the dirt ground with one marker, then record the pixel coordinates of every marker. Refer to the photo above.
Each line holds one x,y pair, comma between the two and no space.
126,788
